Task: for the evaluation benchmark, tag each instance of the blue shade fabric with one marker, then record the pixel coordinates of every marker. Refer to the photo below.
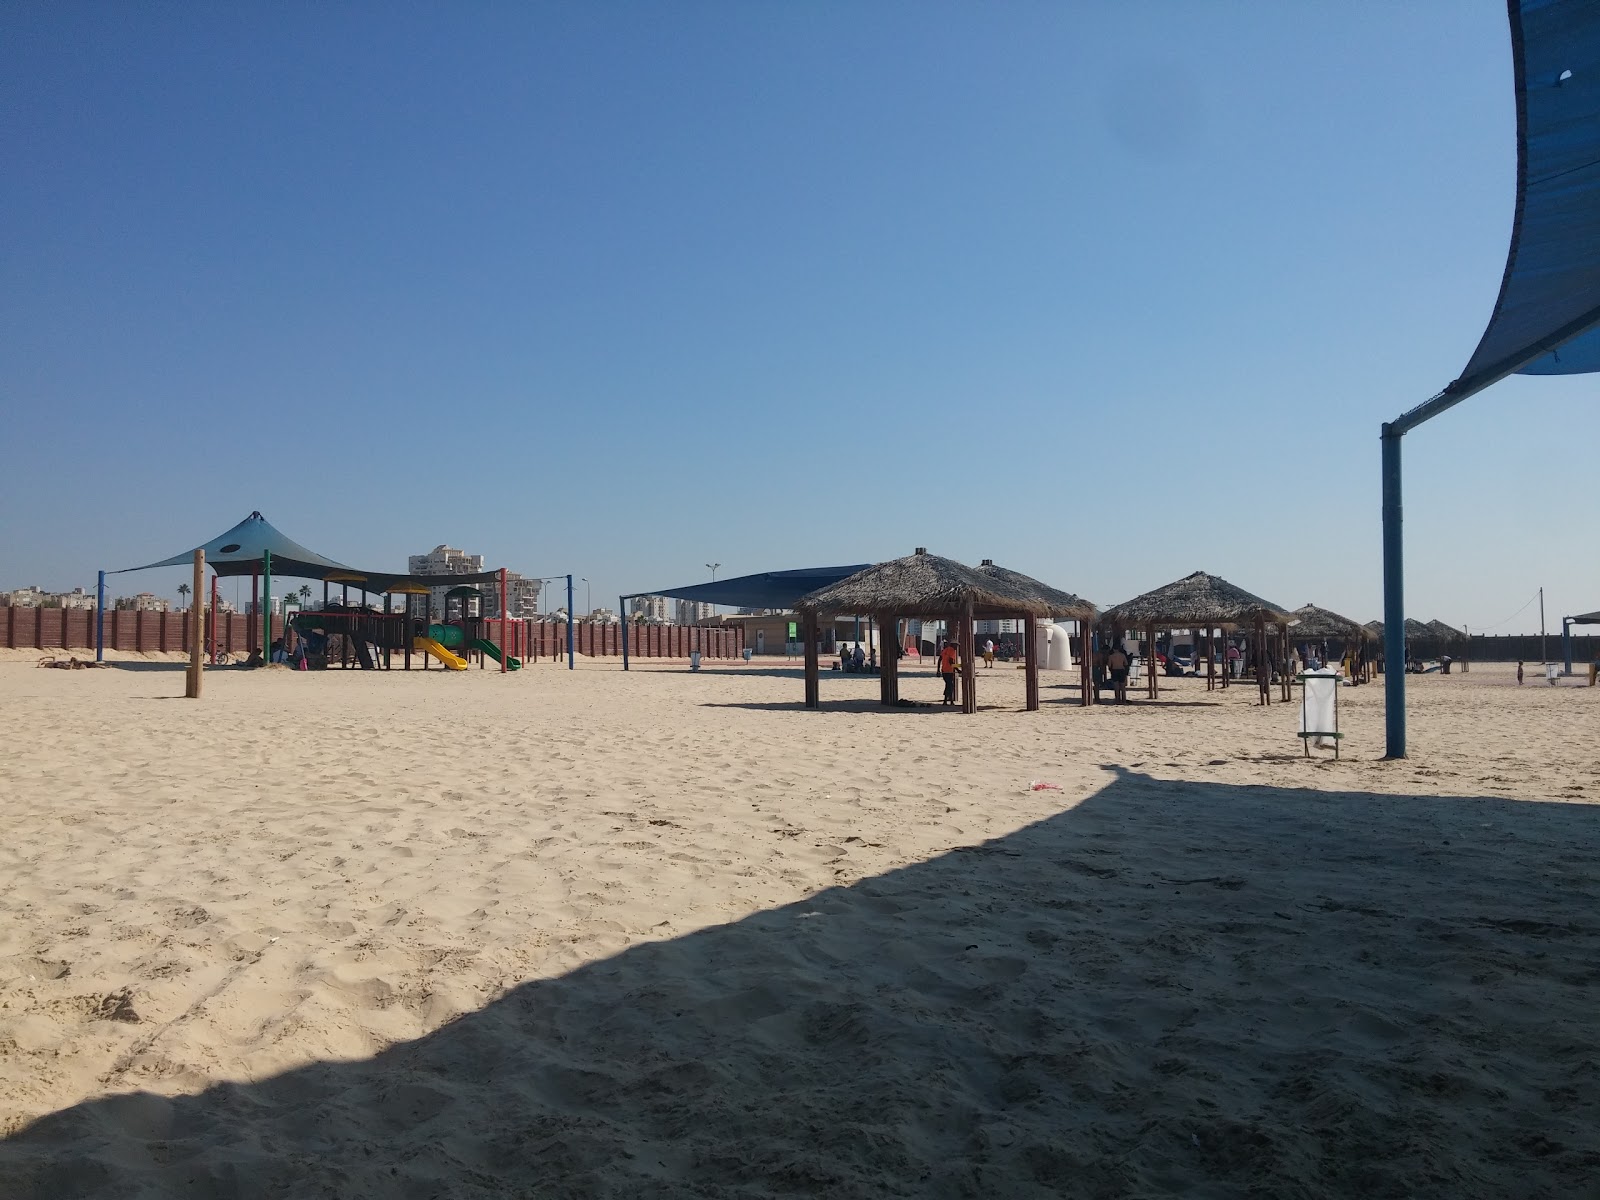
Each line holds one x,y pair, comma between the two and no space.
240,549
770,589
1544,322
239,552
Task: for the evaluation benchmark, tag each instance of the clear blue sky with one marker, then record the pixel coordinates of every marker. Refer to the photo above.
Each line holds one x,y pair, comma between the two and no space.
626,288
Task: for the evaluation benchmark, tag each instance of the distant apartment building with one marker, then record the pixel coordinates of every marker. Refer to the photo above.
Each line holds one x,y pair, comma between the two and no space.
143,602
27,597
651,609
692,612
603,616
37,597
522,597
522,593
445,560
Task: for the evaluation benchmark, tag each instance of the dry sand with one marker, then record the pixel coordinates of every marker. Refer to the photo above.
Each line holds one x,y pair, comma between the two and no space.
662,934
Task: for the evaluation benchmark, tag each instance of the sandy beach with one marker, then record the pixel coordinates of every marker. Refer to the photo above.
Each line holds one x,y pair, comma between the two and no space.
663,934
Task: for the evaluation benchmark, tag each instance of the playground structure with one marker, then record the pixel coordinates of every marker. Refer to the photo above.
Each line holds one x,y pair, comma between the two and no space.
363,634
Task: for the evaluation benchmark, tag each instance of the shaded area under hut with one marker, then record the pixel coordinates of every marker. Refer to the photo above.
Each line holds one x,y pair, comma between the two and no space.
924,586
1211,606
1063,606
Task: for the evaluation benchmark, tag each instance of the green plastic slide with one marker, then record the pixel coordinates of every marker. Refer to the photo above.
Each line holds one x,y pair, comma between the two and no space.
513,663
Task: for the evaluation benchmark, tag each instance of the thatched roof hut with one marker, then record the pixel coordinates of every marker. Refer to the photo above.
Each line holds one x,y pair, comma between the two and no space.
1203,602
1415,630
1316,624
1197,601
1446,636
923,585
1062,604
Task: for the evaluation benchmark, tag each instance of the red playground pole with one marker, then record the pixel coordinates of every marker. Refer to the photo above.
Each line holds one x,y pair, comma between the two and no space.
211,629
504,645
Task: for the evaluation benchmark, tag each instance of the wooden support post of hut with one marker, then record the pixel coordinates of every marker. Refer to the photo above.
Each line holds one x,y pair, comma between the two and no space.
969,672
1030,663
889,645
1086,694
813,671
1263,672
808,631
1151,687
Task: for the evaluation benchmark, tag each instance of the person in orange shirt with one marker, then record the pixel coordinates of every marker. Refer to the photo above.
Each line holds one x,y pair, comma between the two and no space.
949,663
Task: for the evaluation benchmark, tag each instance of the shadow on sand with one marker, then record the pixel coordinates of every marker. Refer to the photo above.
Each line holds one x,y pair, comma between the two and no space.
1139,996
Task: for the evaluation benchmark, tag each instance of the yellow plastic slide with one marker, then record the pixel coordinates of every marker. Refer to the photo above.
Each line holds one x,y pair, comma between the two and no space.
430,646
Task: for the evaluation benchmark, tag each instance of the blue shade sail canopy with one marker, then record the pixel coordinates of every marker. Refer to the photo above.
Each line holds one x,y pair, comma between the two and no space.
769,589
239,552
1545,319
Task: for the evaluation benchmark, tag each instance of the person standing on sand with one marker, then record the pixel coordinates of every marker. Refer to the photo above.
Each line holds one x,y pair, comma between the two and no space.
949,661
1519,674
988,652
1117,664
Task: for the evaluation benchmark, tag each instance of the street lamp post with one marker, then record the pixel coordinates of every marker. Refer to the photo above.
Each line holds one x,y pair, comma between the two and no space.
712,567
588,594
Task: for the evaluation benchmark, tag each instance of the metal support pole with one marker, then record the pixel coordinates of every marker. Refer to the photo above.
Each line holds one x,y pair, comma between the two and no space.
1394,600
1544,643
572,657
1566,645
622,609
100,623
211,625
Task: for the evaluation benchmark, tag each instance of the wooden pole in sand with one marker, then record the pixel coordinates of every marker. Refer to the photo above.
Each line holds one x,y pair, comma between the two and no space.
197,628
1030,662
969,673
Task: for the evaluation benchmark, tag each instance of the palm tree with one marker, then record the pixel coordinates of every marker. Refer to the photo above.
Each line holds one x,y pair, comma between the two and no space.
183,591
305,594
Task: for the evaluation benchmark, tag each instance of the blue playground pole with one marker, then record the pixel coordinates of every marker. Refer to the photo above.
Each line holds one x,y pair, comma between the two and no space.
100,623
1394,600
622,611
572,661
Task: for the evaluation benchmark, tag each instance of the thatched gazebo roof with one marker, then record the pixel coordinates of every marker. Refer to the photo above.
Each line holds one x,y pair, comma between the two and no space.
1062,604
1309,621
1415,630
1195,601
922,585
1445,635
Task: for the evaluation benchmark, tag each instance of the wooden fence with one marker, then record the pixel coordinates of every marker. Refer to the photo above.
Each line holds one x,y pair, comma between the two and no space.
74,629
